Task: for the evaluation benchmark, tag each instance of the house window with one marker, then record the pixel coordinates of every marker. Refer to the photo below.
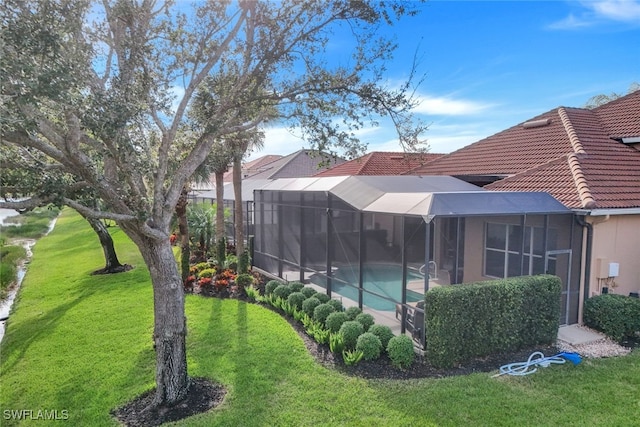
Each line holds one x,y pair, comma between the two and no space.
503,246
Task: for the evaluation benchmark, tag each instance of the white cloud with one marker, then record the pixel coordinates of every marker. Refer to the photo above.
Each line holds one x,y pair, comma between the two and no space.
601,11
617,10
445,106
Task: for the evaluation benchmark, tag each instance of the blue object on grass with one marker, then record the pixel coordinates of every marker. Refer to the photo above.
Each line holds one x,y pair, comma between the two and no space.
537,359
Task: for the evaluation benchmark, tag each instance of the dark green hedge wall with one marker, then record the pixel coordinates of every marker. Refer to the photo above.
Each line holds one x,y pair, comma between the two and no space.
475,320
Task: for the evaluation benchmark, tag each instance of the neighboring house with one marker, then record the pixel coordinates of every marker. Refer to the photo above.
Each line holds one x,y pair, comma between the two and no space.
589,160
299,164
256,174
381,163
253,167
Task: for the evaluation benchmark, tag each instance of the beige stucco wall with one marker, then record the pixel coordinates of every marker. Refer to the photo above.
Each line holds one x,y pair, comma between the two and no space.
616,239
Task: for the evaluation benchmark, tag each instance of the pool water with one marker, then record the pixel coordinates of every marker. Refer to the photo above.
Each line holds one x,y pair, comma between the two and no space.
384,280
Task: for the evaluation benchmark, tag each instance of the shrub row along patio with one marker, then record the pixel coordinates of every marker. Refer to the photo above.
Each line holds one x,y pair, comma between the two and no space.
82,344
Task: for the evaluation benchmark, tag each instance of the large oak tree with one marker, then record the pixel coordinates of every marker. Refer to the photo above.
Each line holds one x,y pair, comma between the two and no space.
103,90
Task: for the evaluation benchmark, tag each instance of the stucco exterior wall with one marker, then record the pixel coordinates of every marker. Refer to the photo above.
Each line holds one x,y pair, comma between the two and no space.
616,239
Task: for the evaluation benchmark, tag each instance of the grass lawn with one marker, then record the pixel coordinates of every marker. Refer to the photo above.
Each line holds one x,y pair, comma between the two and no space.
82,344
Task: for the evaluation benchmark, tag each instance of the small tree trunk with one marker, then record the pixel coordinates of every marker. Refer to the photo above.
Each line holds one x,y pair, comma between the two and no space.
170,329
112,264
220,232
239,211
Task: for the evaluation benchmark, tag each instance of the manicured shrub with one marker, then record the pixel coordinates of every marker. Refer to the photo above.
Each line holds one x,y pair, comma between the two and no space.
244,280
308,292
617,316
352,312
309,305
350,331
335,320
383,332
207,272
296,299
296,286
321,312
282,291
201,266
369,345
366,320
322,297
271,285
336,304
400,351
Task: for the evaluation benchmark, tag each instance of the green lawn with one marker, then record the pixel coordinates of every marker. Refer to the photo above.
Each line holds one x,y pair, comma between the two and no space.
82,344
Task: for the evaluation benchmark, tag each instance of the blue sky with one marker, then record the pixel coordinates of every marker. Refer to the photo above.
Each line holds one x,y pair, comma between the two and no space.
492,65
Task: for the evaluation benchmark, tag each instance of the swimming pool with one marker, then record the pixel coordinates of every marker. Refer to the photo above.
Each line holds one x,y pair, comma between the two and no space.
382,284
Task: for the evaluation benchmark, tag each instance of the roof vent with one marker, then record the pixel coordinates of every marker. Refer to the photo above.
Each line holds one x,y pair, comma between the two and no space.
536,123
631,140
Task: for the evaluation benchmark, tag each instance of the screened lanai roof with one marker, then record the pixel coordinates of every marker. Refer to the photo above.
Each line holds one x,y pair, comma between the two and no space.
248,185
428,196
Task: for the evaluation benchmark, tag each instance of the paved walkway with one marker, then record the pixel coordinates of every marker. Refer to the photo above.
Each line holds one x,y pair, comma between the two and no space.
577,335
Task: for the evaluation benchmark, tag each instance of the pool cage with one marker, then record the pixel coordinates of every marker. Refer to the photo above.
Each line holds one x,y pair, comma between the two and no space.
381,242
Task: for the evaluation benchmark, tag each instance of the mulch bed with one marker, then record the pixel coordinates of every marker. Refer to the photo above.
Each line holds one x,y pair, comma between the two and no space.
203,395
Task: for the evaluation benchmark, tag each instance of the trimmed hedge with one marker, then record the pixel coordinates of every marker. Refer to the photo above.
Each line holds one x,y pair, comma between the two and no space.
617,316
475,320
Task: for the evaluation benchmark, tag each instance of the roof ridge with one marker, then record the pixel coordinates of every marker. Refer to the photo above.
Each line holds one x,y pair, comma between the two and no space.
364,162
571,132
580,180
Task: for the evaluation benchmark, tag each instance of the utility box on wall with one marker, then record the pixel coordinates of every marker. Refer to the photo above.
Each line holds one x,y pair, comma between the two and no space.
614,269
605,269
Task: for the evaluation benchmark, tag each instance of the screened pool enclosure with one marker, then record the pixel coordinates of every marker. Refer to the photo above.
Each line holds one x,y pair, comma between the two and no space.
381,242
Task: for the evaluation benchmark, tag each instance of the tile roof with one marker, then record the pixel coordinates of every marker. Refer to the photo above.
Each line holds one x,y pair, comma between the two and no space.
302,163
381,163
572,153
252,167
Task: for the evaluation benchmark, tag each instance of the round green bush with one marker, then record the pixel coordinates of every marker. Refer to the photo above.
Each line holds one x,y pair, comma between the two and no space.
352,312
308,292
244,280
335,320
296,299
366,319
336,304
383,332
370,346
282,291
350,331
321,312
296,286
400,351
309,305
322,297
271,286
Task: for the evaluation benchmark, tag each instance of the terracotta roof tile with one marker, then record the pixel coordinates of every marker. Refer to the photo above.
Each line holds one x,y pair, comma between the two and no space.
381,163
571,153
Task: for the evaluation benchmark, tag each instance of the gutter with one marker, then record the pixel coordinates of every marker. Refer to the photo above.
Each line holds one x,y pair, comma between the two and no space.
587,268
606,212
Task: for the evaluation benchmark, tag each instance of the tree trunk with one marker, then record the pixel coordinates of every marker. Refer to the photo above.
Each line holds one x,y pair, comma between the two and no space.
183,229
170,329
239,215
112,264
220,231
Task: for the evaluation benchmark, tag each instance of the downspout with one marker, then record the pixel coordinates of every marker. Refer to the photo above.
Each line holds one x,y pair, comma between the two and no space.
587,268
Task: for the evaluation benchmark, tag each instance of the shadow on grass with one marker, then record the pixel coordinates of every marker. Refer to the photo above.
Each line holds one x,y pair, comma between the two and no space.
22,334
